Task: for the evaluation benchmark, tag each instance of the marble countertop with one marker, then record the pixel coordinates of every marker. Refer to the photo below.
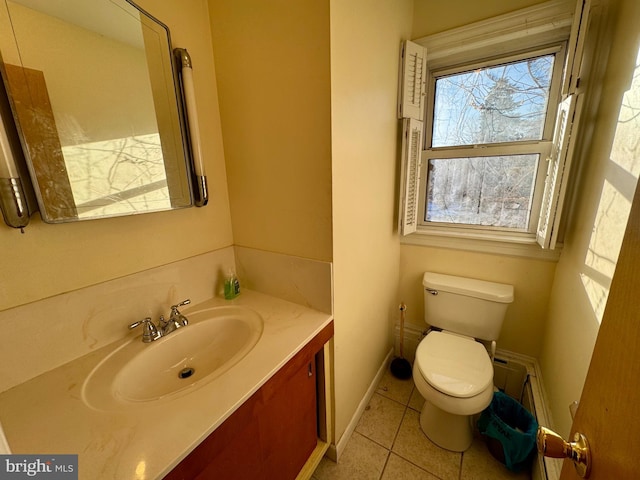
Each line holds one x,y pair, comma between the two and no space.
46,415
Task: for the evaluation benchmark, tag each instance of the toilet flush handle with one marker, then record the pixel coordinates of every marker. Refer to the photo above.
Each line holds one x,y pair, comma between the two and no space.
432,291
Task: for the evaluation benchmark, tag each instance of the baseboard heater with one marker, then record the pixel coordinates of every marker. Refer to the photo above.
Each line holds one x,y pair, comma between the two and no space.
533,398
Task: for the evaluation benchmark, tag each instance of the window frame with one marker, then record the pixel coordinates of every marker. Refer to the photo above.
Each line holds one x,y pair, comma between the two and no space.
541,24
541,147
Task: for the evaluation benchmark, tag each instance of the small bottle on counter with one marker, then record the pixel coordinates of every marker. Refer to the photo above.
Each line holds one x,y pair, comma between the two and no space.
231,286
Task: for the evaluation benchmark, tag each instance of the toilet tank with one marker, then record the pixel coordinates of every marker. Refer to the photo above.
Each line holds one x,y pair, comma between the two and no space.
465,305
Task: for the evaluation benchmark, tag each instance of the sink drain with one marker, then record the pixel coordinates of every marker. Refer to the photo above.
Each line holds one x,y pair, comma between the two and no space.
186,372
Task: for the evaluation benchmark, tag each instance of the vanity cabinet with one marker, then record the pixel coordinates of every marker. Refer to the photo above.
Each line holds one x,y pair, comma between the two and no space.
271,435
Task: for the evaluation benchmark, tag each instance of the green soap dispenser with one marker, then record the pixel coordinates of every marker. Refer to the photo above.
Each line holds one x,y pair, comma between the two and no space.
231,286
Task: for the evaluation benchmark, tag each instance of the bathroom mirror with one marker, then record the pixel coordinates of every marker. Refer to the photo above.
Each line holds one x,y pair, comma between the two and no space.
94,93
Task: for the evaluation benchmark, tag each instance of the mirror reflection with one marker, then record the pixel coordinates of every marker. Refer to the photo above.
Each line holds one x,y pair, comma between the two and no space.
94,94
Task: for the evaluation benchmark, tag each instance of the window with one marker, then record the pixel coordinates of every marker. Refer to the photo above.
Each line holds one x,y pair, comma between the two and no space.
492,158
486,136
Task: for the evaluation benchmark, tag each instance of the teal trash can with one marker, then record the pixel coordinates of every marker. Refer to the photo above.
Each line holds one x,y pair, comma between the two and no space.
509,423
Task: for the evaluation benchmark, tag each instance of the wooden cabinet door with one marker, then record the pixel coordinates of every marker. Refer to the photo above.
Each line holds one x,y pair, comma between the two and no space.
288,427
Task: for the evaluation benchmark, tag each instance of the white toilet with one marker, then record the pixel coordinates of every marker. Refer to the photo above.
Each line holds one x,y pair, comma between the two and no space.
453,371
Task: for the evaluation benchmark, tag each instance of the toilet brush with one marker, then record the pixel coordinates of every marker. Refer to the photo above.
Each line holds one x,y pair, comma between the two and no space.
400,366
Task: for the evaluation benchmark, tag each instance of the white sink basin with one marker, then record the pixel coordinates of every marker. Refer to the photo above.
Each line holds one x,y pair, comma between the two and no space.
137,373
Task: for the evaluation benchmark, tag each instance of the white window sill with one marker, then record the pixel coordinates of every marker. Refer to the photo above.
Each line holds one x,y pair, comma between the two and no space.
516,245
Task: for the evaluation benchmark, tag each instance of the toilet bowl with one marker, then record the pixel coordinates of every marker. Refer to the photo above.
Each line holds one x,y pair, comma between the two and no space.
454,375
452,370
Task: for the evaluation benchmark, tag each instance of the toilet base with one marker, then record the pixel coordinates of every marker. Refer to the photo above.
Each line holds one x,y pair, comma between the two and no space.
448,431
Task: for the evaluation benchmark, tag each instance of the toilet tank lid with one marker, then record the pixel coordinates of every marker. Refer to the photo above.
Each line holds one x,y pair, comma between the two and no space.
471,287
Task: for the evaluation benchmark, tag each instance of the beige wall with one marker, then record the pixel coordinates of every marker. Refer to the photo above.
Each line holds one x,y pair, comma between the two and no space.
433,16
50,259
365,39
611,159
273,70
525,319
289,118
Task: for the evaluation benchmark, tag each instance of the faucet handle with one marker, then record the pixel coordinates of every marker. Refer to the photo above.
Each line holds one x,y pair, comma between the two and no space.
176,317
174,308
149,331
138,323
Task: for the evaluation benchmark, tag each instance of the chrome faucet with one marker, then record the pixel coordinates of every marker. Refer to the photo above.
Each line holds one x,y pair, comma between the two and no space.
176,319
151,332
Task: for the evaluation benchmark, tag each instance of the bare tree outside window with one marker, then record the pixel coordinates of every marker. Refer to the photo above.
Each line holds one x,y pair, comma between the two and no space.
487,106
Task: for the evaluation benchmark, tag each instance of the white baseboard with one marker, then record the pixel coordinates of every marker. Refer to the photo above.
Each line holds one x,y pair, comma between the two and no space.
335,450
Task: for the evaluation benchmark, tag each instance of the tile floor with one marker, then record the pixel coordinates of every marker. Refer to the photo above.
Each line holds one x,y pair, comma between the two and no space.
389,445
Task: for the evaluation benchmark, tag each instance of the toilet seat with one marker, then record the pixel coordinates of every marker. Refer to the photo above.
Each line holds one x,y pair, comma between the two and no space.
453,364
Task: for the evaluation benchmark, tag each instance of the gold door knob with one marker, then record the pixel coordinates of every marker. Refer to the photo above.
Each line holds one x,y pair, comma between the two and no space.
550,444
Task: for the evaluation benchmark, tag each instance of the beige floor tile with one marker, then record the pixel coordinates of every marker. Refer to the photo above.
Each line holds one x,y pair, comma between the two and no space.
413,445
398,468
416,401
479,464
381,420
394,388
362,459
